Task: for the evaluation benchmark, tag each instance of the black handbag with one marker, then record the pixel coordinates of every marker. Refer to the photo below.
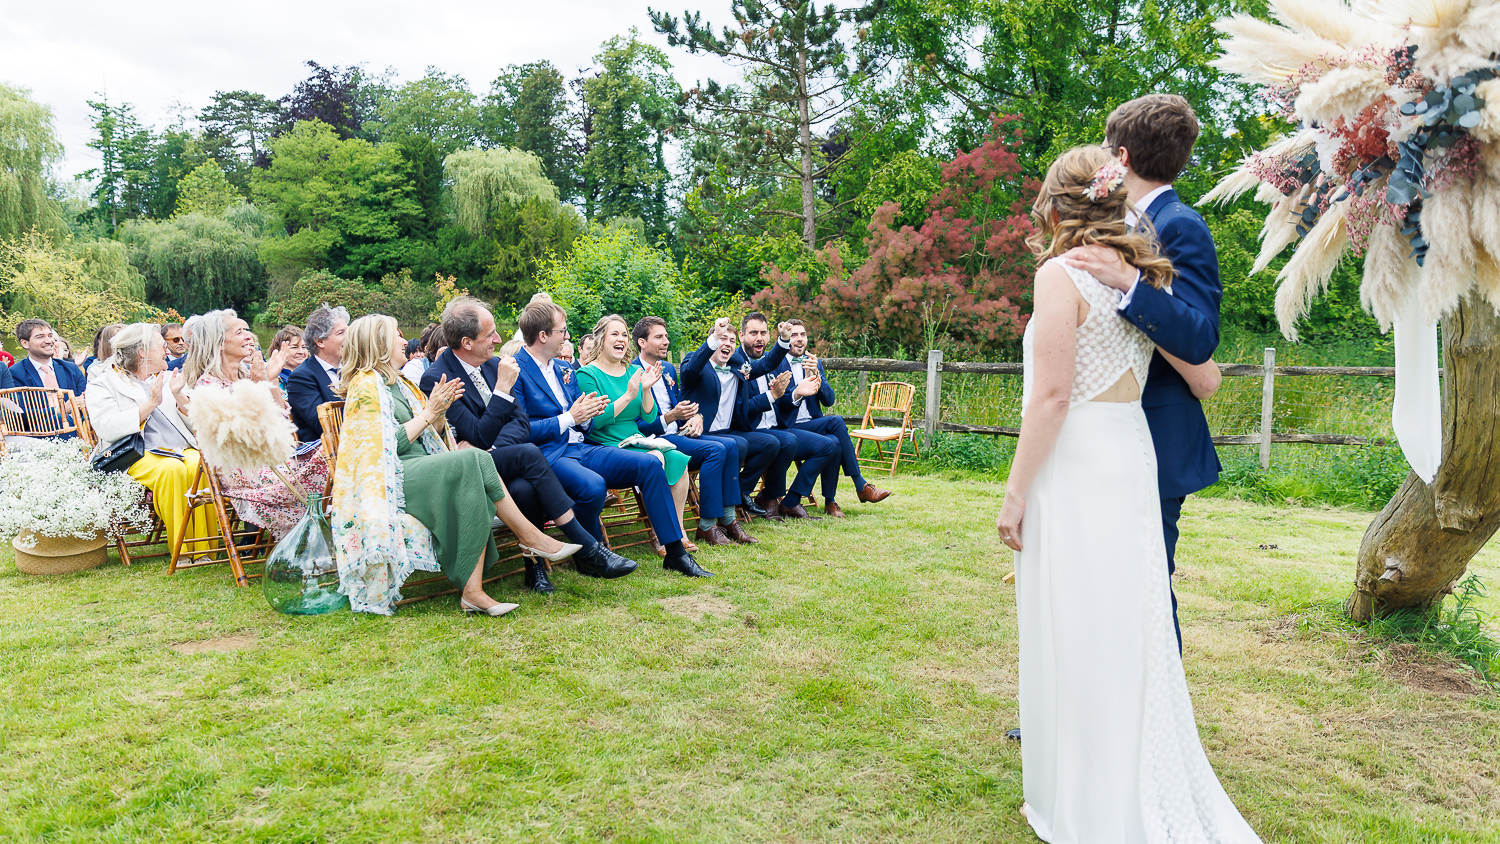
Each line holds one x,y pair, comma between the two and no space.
121,455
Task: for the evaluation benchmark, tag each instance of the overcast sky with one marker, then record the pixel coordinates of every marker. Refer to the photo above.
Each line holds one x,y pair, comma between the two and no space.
162,55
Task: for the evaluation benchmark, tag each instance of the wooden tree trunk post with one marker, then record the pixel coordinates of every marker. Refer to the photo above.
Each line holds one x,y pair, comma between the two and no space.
934,393
1267,405
864,386
1421,543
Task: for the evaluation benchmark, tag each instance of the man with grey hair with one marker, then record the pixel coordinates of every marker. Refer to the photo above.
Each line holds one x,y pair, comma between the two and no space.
311,384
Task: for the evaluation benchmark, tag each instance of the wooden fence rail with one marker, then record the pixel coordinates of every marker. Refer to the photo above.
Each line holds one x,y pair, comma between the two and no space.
1268,372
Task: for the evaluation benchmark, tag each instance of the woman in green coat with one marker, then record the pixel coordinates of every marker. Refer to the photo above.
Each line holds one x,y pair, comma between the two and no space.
608,372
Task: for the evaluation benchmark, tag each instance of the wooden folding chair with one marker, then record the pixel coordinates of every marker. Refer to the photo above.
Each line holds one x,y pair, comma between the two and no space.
421,586
887,399
37,412
238,543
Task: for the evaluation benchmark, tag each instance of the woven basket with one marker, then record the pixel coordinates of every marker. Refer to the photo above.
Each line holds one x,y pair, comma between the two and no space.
59,555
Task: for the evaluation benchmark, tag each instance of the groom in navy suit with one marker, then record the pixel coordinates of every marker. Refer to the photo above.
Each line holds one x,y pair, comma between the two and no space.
1153,137
559,413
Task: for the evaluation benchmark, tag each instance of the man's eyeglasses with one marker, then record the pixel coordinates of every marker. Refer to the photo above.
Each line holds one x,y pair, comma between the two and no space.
565,332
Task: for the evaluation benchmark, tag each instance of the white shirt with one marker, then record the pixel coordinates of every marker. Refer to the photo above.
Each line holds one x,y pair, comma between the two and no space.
798,376
728,392
486,389
768,418
331,368
566,419
414,368
1133,215
663,403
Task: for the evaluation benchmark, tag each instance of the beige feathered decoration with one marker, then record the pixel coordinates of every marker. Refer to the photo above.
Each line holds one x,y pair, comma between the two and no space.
1341,94
1306,276
241,427
1389,273
1268,54
1279,232
1332,20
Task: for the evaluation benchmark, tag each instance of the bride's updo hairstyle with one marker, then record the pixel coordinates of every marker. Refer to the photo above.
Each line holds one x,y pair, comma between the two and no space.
1085,193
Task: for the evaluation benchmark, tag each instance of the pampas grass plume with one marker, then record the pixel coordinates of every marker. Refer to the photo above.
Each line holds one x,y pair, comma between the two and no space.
1265,53
1390,274
1330,19
1312,265
1448,272
1341,93
1279,232
241,427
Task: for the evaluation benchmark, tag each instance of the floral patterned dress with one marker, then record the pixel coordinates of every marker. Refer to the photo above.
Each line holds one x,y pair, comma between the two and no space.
261,498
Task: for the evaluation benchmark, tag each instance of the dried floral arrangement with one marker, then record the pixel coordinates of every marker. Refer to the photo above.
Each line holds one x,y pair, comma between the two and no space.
1398,104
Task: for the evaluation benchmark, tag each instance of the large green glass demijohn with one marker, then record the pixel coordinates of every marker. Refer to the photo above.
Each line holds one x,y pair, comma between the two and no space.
301,576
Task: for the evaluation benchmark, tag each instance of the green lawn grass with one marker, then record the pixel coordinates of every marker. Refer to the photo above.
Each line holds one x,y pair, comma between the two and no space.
840,682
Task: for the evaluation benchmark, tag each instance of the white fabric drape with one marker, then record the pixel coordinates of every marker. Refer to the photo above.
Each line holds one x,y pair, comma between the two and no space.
1417,412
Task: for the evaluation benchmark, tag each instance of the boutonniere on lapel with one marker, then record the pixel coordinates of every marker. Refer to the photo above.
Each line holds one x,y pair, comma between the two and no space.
567,375
745,370
670,383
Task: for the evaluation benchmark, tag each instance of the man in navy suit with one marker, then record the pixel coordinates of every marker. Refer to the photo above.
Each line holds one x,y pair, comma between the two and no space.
721,392
488,416
558,413
40,369
802,409
1153,137
311,384
716,461
814,452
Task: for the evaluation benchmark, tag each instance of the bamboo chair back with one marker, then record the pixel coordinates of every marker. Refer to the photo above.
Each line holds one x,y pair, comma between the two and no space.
37,412
886,400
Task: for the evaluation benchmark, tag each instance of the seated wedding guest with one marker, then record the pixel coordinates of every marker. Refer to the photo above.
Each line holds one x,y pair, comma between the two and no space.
818,455
559,413
585,349
44,367
135,394
628,388
487,416
709,382
293,350
420,354
221,351
395,446
802,409
175,336
100,348
311,384
717,461
5,359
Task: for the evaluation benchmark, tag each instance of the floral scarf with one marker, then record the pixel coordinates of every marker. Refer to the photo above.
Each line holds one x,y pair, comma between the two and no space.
377,544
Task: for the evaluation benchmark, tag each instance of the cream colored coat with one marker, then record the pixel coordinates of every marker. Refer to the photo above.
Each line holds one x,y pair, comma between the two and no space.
114,401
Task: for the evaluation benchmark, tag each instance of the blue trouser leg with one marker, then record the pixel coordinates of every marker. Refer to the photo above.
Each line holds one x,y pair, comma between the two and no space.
834,427
758,450
820,456
587,490
622,468
776,472
718,472
1171,511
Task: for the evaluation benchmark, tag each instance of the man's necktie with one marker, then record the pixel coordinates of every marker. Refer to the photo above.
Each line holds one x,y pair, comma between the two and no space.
484,391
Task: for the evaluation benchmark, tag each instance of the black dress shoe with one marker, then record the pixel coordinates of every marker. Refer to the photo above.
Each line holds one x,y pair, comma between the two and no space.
1013,735
536,576
685,564
753,507
602,562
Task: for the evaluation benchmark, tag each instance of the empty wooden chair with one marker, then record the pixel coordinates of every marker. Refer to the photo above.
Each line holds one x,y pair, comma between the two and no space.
37,412
887,400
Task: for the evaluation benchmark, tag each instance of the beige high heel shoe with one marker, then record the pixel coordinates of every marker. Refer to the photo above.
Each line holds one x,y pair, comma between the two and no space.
495,611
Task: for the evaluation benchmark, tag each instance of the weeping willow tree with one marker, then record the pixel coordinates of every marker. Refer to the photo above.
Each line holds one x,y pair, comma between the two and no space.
76,287
196,262
486,180
28,148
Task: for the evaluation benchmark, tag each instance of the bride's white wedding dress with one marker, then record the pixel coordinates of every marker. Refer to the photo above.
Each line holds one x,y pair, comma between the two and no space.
1110,750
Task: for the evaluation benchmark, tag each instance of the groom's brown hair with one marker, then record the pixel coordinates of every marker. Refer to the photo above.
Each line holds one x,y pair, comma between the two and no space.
1159,130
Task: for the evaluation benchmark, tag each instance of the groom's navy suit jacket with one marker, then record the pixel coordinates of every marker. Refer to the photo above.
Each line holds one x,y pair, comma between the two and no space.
1185,323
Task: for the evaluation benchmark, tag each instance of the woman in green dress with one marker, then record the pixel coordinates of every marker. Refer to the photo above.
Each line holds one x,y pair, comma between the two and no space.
608,372
404,498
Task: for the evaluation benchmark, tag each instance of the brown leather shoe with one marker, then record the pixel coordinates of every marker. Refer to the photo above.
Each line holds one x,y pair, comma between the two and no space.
766,502
713,536
796,511
872,493
611,500
832,509
737,532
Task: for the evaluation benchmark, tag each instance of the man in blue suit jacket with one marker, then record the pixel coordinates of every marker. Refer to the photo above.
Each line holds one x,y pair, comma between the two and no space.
488,416
311,384
40,369
721,392
1153,137
814,452
559,412
802,408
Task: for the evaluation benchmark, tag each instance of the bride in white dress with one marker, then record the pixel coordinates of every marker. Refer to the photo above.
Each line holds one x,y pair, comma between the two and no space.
1110,750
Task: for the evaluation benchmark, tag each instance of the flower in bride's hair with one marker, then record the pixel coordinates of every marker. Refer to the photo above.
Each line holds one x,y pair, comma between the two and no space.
1106,179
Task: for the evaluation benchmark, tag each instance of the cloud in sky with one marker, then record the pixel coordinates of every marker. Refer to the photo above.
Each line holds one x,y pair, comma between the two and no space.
170,56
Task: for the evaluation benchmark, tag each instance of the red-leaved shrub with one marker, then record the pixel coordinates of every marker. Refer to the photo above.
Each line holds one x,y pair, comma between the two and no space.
962,279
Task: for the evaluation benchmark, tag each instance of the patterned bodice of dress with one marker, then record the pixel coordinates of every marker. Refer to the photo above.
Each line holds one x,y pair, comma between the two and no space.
1107,345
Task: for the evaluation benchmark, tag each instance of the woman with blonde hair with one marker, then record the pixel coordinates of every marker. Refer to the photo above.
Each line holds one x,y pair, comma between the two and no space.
1110,749
404,497
606,370
221,351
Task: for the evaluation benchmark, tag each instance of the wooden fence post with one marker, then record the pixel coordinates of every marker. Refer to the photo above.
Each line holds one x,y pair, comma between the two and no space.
864,386
1267,402
934,392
